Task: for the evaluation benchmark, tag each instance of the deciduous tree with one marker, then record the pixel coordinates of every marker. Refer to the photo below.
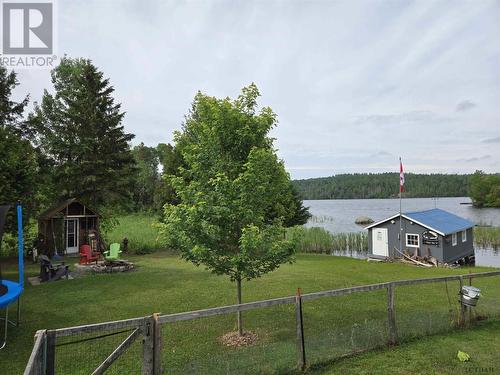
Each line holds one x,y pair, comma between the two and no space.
234,191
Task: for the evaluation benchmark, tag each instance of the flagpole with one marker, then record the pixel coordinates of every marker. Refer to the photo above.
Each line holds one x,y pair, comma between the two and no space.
400,216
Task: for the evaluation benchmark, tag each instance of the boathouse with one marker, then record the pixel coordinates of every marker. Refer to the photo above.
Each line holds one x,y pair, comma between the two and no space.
67,225
438,233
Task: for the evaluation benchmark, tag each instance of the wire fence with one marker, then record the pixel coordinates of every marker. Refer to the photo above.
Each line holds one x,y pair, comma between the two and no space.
286,334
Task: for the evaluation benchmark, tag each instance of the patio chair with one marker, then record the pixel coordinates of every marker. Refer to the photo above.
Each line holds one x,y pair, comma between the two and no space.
87,255
113,253
51,272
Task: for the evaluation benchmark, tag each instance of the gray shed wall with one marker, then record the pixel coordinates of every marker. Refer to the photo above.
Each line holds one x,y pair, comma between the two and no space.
393,240
443,251
462,249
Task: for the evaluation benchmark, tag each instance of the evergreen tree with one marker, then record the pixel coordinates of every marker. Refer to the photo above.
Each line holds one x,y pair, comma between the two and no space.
11,112
80,130
18,159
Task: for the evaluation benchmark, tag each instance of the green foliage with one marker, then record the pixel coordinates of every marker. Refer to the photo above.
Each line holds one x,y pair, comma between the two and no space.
382,185
171,161
318,240
487,236
146,179
234,192
484,189
18,170
140,229
18,159
79,130
11,112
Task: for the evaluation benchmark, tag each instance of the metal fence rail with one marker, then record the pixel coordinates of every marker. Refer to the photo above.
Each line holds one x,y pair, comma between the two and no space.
42,359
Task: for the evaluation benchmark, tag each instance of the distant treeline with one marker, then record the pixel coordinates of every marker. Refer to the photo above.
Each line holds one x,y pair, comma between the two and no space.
382,185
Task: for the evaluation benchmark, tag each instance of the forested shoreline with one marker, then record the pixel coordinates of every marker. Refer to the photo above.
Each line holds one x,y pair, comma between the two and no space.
382,185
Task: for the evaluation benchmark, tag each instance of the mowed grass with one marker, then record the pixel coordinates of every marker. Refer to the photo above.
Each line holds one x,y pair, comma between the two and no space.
431,355
164,283
140,231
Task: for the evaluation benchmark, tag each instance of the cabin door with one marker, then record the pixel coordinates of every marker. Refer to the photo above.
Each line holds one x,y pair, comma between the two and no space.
380,242
71,236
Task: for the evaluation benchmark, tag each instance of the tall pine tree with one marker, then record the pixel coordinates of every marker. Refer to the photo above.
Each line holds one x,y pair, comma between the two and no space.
79,128
18,159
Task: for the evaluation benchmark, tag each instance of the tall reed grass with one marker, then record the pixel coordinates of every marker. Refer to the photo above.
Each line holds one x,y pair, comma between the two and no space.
487,236
319,240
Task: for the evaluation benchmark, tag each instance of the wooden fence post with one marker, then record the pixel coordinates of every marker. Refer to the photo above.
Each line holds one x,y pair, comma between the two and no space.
301,350
148,347
462,306
391,316
50,360
157,345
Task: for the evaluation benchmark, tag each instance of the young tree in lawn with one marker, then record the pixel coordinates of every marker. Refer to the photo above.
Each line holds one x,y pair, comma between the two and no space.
79,128
235,194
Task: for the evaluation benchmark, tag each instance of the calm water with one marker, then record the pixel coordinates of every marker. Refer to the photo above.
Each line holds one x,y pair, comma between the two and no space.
338,215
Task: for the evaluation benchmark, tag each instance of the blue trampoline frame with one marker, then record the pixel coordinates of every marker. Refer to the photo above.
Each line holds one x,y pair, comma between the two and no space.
14,289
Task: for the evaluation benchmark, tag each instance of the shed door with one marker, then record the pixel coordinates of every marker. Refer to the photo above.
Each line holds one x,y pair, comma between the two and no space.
71,236
380,242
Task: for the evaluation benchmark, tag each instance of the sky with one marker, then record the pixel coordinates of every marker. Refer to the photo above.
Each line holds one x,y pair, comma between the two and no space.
355,84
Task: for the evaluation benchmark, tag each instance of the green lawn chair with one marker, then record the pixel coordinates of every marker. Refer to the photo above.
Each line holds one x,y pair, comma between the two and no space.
113,253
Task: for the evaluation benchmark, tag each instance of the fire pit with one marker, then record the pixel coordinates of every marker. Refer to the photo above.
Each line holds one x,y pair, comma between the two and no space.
108,266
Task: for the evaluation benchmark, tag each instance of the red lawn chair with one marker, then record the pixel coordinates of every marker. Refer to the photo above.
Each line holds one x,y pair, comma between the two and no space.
87,256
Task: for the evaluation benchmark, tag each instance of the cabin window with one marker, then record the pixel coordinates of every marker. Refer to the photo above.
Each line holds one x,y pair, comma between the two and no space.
454,239
412,240
464,235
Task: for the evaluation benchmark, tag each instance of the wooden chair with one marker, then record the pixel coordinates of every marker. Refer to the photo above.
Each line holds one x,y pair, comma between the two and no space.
113,253
87,256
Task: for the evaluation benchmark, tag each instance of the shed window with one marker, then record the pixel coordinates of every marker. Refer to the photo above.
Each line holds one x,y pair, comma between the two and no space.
454,239
464,235
412,240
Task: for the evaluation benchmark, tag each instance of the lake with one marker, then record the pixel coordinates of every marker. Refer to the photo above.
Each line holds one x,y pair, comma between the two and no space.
338,215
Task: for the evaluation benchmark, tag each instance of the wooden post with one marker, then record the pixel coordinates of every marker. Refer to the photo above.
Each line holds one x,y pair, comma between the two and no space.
301,350
148,347
470,310
463,308
157,345
393,335
50,361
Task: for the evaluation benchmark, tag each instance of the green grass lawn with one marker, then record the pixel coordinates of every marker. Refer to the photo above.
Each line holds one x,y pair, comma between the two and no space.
431,355
140,231
164,283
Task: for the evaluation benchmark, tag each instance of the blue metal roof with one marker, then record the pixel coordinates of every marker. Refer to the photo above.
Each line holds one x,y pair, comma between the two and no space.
440,220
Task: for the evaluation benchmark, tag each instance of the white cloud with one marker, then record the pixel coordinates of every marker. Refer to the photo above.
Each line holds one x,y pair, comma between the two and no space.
348,79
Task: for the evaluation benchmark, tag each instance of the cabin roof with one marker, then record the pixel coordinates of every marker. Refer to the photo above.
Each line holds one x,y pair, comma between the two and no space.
55,209
440,221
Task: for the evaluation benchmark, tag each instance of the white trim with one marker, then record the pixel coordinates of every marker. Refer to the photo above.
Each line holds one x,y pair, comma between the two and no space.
407,218
464,235
77,216
454,239
381,221
413,234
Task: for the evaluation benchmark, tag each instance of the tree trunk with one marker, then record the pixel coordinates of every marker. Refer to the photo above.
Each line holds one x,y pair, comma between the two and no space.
238,287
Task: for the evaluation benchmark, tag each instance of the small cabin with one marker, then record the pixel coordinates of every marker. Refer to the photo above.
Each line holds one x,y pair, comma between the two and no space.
64,227
438,233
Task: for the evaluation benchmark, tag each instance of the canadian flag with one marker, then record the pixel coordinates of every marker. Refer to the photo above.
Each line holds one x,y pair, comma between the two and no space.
401,177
